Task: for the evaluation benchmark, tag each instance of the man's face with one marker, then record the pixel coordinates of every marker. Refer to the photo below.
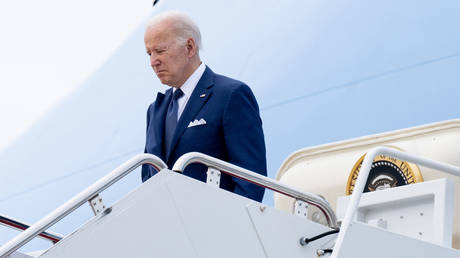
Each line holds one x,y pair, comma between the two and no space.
168,58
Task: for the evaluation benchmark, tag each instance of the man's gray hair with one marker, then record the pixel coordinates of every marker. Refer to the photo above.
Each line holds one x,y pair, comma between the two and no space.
182,25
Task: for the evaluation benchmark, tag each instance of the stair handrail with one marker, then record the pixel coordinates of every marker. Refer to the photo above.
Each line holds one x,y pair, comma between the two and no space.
79,199
364,174
250,176
21,226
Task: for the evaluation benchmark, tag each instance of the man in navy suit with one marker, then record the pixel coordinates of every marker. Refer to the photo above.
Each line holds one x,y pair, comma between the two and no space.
202,111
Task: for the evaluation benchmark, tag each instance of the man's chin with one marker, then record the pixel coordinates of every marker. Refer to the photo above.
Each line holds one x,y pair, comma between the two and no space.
164,80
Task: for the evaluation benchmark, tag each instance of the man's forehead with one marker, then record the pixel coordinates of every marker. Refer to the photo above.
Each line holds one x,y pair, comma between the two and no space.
157,36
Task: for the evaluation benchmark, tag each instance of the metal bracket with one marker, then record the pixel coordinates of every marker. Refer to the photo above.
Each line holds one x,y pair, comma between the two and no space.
97,205
301,208
213,177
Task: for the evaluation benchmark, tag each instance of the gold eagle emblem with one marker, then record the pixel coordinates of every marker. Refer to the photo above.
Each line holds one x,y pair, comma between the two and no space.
386,172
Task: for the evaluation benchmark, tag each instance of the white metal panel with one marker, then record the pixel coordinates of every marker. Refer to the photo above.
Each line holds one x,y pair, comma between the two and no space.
363,241
422,211
171,215
280,232
215,220
142,224
19,255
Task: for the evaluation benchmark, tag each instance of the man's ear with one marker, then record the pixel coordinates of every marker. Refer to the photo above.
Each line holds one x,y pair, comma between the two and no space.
191,47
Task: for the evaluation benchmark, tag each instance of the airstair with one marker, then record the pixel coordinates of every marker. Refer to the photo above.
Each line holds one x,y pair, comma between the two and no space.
172,215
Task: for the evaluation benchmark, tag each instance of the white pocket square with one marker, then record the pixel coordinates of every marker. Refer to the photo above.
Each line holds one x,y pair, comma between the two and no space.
197,122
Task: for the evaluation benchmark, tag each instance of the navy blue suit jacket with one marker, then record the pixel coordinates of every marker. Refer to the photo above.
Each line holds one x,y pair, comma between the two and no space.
233,131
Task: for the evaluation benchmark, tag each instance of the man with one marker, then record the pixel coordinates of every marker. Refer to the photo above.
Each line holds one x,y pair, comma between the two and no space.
202,111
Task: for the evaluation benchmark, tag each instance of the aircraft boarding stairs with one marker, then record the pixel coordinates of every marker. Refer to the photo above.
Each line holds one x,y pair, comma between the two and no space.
172,215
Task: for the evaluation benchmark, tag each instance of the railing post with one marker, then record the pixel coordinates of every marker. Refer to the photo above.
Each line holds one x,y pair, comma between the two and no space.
301,208
97,205
213,177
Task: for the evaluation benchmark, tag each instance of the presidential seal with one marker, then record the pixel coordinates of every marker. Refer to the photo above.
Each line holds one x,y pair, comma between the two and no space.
386,172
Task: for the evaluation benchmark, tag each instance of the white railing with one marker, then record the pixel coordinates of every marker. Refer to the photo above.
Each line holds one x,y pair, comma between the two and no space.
79,200
21,226
364,174
225,167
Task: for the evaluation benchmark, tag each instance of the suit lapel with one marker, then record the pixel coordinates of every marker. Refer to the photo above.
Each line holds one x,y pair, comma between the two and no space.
194,105
159,114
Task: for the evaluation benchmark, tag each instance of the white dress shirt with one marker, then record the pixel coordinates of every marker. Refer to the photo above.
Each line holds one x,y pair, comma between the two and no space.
188,88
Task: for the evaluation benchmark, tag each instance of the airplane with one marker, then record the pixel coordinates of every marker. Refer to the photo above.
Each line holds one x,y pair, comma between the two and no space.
321,71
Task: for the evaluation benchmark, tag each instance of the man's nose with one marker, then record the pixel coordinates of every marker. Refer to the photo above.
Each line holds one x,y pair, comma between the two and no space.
154,61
